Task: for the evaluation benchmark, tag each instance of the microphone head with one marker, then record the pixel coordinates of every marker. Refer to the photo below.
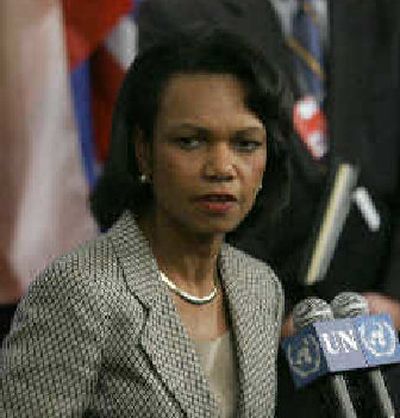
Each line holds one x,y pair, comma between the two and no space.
349,305
311,310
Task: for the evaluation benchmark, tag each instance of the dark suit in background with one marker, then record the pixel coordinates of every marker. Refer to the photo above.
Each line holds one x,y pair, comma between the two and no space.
364,123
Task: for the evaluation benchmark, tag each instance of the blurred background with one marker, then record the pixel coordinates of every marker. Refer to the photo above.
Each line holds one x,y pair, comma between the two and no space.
61,63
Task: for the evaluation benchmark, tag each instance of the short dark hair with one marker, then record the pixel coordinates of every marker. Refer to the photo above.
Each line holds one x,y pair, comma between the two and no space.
137,106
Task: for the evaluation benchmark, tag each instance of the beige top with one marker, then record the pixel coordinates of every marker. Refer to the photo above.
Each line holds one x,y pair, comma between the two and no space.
218,361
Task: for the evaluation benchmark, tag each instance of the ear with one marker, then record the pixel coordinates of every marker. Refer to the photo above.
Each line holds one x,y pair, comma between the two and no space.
143,152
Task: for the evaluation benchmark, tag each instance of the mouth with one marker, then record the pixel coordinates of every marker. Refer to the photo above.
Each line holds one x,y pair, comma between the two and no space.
217,197
217,203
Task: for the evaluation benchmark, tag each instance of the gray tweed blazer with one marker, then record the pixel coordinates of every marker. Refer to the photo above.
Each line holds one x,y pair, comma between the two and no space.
98,335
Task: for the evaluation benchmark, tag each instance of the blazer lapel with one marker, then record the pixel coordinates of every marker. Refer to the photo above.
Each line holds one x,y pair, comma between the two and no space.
252,324
164,337
171,352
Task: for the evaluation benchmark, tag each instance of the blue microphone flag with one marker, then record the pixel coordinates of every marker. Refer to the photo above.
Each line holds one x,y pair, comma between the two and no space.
305,356
341,345
378,339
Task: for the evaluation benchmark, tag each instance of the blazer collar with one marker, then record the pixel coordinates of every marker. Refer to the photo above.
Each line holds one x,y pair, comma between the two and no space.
164,337
137,260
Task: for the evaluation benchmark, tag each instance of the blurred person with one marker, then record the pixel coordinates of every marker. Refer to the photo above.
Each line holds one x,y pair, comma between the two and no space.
159,316
359,71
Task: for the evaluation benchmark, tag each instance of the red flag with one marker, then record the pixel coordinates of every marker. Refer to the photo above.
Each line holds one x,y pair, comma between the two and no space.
88,23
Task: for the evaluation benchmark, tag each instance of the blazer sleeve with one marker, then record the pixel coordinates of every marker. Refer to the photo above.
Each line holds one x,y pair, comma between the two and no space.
51,359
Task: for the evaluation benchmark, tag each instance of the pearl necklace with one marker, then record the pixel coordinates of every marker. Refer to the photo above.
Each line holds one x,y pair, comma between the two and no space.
187,296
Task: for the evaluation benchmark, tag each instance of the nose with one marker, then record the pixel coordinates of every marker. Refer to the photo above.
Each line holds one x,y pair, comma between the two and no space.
219,164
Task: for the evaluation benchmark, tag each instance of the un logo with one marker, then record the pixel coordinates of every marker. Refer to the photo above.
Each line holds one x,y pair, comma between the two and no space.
304,356
378,337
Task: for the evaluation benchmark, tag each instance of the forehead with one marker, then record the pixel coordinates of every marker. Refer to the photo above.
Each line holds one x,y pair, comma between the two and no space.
205,99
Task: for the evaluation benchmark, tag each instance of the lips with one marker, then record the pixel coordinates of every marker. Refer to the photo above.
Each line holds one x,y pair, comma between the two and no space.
218,197
217,203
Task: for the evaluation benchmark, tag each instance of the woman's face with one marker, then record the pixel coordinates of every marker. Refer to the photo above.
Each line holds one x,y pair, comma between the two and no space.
208,154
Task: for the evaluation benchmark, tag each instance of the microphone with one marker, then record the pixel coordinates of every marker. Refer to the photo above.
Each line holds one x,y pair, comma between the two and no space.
333,219
305,314
351,305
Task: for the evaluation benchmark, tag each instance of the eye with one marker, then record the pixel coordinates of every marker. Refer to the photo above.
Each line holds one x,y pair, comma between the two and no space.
247,144
188,142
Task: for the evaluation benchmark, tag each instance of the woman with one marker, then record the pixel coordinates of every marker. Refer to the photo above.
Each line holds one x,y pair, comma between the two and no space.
159,317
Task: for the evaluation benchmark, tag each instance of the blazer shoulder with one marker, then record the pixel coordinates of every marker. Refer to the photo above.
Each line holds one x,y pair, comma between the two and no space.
90,260
90,283
91,270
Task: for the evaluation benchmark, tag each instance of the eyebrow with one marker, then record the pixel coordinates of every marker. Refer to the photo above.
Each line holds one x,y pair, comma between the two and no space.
203,130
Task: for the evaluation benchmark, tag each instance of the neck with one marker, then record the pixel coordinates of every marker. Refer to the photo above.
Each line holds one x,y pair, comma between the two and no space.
188,259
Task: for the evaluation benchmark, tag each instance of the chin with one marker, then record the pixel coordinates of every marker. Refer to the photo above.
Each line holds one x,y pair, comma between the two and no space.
217,228
210,225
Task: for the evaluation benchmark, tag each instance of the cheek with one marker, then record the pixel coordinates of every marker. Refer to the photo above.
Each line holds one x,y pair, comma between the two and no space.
173,174
256,169
259,167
